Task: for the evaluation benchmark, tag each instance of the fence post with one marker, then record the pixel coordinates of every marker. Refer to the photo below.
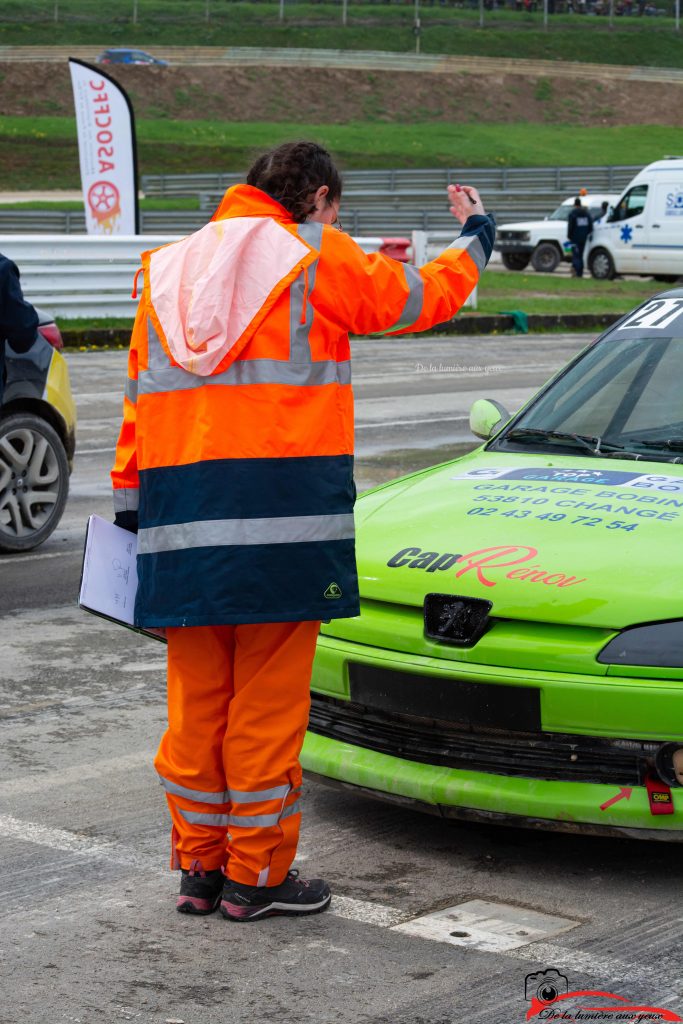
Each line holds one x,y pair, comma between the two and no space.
419,242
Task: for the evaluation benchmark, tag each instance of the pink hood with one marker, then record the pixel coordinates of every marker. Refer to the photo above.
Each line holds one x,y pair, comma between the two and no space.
212,289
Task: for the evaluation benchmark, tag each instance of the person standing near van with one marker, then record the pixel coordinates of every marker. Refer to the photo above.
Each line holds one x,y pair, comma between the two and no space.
235,466
579,227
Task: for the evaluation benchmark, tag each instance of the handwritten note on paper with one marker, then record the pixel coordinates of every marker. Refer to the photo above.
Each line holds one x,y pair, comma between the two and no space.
110,578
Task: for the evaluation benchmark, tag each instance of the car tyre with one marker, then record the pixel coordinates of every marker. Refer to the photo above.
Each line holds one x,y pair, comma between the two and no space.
546,258
34,481
601,265
515,260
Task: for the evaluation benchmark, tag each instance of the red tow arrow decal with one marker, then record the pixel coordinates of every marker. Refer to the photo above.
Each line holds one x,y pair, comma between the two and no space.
623,794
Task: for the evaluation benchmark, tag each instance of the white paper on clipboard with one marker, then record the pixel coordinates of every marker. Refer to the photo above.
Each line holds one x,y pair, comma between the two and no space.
109,580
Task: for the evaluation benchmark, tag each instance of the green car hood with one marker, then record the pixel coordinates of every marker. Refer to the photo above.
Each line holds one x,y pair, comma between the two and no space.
595,542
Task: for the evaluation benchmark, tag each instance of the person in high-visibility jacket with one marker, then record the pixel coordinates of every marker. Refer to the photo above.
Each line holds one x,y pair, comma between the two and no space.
235,466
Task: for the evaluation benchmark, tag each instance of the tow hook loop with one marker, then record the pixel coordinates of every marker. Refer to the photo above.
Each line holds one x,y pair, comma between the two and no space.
659,795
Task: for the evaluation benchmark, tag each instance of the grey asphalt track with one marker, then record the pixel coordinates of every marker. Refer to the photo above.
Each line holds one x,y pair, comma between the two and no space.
88,930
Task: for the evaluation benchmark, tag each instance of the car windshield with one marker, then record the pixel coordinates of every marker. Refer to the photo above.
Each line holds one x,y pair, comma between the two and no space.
622,397
562,212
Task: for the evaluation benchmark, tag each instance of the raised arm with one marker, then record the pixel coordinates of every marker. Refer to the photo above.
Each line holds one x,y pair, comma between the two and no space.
379,295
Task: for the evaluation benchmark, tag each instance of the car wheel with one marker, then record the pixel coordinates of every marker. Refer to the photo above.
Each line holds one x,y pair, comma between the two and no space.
515,260
34,481
601,265
545,258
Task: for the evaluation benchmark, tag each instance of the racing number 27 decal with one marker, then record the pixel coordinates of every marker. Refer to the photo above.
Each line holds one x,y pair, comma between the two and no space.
658,314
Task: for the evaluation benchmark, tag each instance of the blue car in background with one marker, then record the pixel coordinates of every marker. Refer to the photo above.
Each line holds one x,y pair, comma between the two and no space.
123,55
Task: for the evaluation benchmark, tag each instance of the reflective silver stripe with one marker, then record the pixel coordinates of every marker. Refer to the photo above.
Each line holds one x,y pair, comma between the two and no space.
156,357
240,796
131,391
475,250
198,818
413,306
198,795
299,346
263,820
248,371
414,301
248,821
126,499
312,232
225,532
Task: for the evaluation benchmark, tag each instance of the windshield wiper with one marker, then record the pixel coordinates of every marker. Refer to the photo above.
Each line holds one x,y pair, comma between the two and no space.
594,445
672,443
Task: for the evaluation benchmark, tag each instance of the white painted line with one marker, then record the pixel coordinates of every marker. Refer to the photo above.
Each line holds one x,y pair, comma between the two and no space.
365,912
20,559
411,423
37,782
93,451
71,842
144,666
488,927
606,969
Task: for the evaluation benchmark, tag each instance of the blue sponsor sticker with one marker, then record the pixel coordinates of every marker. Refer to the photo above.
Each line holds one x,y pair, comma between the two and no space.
601,478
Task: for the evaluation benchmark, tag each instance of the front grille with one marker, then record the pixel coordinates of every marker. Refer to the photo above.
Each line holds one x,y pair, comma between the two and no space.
465,703
552,756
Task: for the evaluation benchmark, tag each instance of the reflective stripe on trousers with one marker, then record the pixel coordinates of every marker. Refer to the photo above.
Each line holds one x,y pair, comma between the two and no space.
238,700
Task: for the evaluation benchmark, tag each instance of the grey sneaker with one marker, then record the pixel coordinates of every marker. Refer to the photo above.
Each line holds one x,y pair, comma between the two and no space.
200,891
293,896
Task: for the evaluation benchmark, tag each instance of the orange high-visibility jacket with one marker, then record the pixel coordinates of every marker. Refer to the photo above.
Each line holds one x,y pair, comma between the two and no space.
237,438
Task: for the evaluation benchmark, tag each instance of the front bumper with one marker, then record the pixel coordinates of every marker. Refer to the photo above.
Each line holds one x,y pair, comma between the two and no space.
510,246
582,706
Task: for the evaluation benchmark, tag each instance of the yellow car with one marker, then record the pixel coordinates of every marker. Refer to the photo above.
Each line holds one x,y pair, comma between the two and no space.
37,440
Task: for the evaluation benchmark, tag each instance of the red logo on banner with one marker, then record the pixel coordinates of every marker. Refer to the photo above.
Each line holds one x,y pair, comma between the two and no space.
105,203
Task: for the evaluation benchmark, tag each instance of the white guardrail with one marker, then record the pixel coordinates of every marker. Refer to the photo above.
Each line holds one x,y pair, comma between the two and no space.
88,275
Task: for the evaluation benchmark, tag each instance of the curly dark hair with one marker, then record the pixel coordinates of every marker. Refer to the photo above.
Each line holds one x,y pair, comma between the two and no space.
292,173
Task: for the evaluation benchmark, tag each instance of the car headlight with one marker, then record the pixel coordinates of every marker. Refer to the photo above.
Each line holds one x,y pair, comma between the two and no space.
669,764
659,645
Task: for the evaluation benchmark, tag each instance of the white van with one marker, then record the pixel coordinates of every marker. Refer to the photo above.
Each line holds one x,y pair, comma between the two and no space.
643,234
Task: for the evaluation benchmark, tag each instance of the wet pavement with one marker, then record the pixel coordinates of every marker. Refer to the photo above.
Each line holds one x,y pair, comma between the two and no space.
88,931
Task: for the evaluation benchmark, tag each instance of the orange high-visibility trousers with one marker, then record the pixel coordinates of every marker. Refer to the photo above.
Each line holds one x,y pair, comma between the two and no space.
238,705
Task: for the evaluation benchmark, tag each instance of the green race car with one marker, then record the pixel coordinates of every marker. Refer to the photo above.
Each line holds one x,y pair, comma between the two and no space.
519,653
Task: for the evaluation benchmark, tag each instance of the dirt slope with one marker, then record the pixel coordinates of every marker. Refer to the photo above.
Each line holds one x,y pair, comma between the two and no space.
340,96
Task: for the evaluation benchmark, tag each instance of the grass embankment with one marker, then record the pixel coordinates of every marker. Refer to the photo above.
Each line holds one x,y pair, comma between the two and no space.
176,203
501,291
633,40
42,151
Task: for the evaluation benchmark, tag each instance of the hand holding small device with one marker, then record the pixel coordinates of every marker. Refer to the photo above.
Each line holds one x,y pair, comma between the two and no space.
465,202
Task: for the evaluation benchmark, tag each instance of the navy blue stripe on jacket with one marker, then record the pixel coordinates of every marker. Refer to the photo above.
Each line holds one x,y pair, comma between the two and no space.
247,489
191,571
233,585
